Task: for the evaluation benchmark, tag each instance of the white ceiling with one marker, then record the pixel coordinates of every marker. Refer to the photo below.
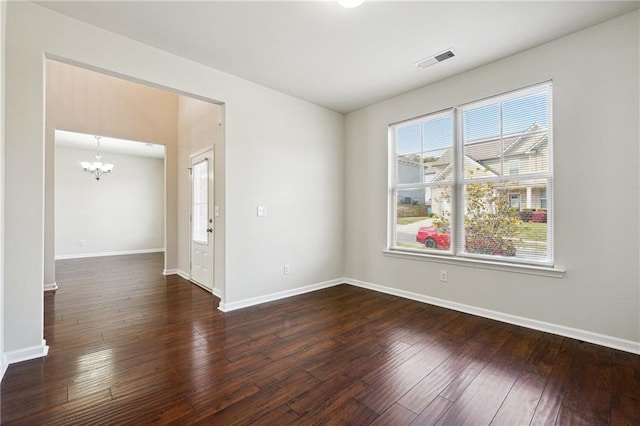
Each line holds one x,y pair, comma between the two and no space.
86,142
343,59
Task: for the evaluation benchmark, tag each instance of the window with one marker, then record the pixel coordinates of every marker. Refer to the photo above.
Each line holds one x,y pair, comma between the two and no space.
200,200
514,166
475,180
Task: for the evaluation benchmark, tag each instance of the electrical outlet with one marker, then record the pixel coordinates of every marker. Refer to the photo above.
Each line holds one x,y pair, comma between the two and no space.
444,276
262,211
81,243
285,269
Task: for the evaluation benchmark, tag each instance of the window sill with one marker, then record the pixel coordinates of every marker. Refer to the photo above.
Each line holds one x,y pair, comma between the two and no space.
544,271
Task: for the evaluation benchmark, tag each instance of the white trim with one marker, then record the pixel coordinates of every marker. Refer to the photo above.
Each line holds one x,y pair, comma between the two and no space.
217,293
227,307
205,288
4,364
51,287
574,333
178,272
108,253
26,354
522,268
183,274
200,152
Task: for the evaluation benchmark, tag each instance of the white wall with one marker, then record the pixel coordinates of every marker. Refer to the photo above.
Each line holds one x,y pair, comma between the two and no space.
3,16
123,212
596,137
280,152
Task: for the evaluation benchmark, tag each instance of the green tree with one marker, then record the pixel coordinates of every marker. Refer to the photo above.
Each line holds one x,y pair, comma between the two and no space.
490,223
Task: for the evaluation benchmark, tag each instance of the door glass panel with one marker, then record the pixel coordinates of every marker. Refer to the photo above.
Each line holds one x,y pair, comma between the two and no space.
200,199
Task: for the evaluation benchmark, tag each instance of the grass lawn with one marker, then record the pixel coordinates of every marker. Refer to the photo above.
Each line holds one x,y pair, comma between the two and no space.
533,231
408,245
408,220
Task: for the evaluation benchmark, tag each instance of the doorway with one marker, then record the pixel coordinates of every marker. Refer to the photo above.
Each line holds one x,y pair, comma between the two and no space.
202,213
97,103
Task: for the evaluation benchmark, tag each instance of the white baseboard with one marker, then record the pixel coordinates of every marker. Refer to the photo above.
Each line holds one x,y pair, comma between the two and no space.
108,253
205,288
51,287
227,307
179,272
4,364
26,354
574,333
216,292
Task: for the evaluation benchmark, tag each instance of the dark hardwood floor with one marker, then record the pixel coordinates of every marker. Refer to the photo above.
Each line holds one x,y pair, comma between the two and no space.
129,345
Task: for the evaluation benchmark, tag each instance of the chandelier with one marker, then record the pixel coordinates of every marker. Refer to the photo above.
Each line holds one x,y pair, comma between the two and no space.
97,168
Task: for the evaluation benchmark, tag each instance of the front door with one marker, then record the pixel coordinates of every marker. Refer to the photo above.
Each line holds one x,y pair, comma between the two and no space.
202,219
514,201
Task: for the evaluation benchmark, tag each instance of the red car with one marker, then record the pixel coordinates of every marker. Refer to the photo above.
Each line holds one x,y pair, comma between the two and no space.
440,238
433,237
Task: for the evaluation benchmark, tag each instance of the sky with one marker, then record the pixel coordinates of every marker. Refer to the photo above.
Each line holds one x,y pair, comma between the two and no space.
478,123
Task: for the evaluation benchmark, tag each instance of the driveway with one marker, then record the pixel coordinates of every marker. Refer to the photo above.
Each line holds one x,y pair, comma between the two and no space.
407,233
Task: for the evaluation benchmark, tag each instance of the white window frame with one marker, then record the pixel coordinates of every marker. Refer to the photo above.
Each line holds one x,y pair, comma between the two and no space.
543,267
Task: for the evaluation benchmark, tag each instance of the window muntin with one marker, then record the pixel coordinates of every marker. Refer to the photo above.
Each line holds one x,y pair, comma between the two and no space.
497,170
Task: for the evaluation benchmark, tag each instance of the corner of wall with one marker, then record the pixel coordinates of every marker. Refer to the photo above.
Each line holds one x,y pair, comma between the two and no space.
3,365
3,20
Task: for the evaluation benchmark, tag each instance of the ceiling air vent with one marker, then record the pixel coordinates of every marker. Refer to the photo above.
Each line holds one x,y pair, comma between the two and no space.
434,59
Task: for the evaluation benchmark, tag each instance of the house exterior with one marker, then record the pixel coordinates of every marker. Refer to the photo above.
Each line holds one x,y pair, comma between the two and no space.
408,171
524,154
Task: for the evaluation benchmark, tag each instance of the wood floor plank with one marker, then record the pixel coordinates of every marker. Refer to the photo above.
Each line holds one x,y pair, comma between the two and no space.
326,396
521,402
589,391
281,415
249,409
67,413
431,386
433,412
625,399
481,400
131,346
349,356
395,415
342,409
383,393
551,399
